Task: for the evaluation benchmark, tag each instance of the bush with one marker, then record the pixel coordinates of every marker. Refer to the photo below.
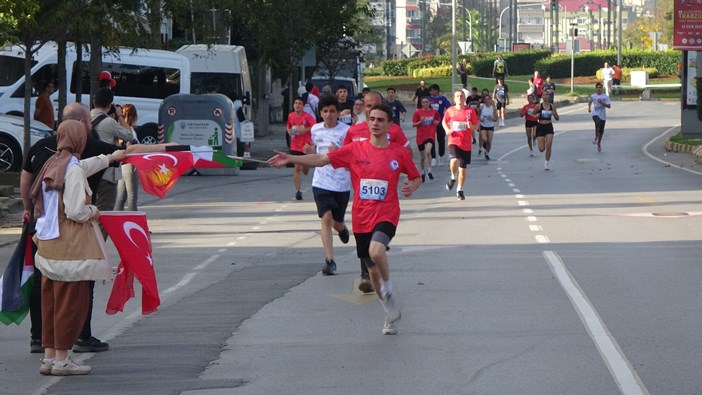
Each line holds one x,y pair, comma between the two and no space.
518,63
587,64
432,72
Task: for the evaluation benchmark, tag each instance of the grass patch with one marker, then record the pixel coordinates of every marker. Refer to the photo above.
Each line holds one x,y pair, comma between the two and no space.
678,138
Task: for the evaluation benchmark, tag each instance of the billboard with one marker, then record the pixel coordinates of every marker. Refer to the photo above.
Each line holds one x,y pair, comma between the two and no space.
687,25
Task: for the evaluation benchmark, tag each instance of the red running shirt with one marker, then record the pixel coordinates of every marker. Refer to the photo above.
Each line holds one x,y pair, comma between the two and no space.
375,174
459,121
304,120
361,132
527,110
427,129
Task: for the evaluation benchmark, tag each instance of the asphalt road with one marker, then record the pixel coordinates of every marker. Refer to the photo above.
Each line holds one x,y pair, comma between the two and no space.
582,280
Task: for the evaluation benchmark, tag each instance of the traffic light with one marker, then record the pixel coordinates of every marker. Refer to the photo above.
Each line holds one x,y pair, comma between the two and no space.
554,5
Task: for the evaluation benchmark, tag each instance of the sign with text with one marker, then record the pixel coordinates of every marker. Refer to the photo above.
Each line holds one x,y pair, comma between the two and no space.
687,25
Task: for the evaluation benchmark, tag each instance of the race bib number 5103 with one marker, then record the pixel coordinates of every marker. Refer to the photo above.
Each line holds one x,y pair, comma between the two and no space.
371,189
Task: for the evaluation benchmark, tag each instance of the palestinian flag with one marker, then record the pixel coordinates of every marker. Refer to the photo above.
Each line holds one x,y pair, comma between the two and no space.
16,282
206,157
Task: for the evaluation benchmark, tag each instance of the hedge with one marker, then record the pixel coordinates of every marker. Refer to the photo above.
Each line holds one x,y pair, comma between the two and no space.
587,64
557,65
518,63
432,72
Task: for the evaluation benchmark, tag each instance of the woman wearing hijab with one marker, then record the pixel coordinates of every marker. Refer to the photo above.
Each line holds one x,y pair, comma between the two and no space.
70,248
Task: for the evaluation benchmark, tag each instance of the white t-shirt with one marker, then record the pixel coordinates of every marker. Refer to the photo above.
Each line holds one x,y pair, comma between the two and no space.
327,177
311,105
486,113
598,109
607,73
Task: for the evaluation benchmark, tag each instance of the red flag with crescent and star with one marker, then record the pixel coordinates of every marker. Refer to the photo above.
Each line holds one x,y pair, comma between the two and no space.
158,172
130,234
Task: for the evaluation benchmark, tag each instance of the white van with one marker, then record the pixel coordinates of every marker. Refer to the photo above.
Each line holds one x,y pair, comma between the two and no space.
144,78
222,69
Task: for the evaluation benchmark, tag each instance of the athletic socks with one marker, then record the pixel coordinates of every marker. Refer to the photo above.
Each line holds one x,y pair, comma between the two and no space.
386,288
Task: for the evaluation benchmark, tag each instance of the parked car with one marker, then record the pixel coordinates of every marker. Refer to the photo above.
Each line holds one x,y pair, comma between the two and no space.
12,138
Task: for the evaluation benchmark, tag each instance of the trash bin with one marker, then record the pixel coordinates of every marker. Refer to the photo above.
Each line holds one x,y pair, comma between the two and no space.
200,121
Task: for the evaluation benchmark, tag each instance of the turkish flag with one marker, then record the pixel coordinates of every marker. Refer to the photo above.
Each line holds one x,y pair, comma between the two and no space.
130,233
159,172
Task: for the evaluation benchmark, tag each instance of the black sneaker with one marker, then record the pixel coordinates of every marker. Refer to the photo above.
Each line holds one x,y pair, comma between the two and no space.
329,268
460,195
344,235
90,345
298,195
431,176
487,156
449,184
35,346
424,177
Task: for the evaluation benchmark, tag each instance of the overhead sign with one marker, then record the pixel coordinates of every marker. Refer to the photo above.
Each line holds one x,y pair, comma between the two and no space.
687,25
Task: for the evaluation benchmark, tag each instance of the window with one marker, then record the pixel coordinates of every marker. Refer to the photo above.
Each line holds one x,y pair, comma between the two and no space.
224,83
134,80
45,74
11,69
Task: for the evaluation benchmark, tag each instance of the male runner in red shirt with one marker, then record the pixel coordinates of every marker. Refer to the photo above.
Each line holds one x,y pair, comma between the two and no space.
375,167
459,122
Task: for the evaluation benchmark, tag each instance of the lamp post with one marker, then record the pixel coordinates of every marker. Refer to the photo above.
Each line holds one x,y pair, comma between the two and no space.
453,43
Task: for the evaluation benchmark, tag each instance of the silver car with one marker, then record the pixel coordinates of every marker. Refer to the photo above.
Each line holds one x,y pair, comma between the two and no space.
12,138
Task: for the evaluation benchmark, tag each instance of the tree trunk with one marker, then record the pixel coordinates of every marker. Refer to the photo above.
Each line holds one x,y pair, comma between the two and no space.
95,65
62,82
263,99
155,23
78,82
27,96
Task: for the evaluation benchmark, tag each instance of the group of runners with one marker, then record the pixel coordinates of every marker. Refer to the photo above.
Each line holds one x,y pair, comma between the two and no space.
372,154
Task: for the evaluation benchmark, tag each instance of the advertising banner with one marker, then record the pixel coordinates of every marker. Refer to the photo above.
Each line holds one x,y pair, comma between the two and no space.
687,25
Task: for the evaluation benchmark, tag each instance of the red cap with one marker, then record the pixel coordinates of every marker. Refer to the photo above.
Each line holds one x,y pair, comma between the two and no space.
105,75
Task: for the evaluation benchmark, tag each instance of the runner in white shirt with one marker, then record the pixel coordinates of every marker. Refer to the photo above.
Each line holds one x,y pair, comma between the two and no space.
330,187
599,115
607,75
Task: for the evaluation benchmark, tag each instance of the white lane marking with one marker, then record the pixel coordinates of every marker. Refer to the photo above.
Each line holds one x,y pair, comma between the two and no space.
535,228
278,210
624,375
531,218
221,250
188,277
645,151
519,196
256,228
522,203
511,185
508,180
233,243
503,175
516,190
542,239
241,237
527,211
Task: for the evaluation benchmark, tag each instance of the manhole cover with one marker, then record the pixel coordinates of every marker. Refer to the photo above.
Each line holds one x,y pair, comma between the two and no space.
673,214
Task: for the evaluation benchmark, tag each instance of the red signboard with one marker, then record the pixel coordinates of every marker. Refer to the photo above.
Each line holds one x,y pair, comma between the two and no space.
687,25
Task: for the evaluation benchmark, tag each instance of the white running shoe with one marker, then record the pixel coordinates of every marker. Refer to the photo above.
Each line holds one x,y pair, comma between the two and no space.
546,166
389,328
68,367
433,162
393,312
